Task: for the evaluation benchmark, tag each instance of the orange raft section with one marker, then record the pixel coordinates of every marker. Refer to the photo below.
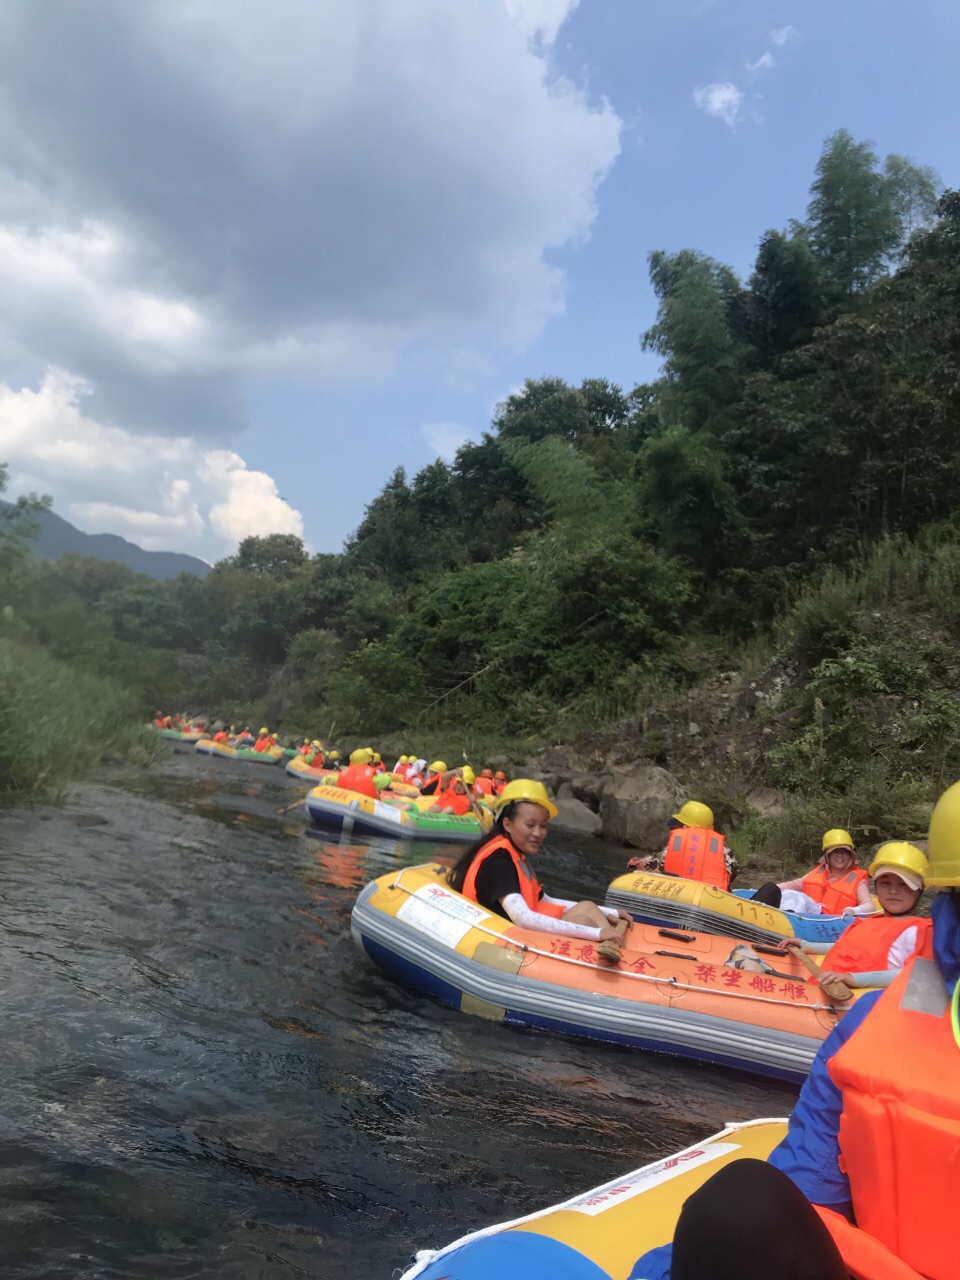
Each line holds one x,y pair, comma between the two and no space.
673,991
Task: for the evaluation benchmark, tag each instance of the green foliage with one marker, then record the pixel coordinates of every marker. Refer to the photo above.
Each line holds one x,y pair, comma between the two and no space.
58,723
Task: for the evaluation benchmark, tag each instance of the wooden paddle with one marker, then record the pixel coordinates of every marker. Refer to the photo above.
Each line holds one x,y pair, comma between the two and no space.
287,807
836,990
612,948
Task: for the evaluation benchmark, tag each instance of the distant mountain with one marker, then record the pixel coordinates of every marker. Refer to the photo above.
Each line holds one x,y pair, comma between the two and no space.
58,537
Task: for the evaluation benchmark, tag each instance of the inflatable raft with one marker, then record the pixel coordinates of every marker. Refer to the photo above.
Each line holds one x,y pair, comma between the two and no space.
184,735
395,817
600,1234
689,904
297,767
672,992
206,746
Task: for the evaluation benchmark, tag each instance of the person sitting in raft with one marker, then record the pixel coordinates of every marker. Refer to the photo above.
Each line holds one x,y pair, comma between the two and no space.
499,782
263,742
222,737
417,774
836,884
401,768
872,1140
358,776
873,949
331,759
484,784
495,873
434,779
457,797
694,850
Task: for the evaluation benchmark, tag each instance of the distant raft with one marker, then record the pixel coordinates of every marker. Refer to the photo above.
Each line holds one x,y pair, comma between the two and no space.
206,746
182,735
690,904
397,817
673,992
599,1234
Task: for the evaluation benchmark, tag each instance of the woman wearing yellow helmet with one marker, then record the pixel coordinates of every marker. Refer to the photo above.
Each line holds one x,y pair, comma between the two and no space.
836,885
873,949
495,873
434,781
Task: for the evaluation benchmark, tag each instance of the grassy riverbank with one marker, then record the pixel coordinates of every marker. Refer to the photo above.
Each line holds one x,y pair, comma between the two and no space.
58,723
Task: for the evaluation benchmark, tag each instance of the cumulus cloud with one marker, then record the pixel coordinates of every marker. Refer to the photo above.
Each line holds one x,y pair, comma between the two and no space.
722,100
193,190
445,437
783,35
161,491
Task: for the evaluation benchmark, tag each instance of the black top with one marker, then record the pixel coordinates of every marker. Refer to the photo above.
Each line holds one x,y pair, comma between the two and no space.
496,878
430,787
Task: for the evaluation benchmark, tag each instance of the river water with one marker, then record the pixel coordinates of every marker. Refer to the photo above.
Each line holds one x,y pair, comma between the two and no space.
202,1076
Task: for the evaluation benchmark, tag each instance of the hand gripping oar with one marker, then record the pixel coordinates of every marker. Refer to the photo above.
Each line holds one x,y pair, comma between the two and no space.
612,948
836,990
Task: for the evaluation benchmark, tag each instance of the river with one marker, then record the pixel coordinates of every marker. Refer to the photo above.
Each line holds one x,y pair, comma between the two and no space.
202,1076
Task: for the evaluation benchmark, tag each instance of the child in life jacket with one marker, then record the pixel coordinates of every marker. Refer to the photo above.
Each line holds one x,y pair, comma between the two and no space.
873,949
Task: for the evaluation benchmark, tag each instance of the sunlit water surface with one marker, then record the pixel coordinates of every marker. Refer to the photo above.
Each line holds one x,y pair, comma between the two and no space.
202,1076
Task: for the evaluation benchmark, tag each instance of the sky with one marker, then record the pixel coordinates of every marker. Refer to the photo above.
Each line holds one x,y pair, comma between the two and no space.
255,256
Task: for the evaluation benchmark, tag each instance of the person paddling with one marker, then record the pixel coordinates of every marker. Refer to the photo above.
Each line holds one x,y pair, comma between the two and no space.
694,850
495,872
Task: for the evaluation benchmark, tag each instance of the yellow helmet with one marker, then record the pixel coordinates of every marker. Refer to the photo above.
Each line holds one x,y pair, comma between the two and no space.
362,755
469,776
695,814
376,757
526,789
264,729
943,841
438,766
899,856
317,743
334,755
837,838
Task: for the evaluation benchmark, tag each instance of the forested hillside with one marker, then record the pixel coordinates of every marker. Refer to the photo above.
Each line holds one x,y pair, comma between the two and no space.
784,492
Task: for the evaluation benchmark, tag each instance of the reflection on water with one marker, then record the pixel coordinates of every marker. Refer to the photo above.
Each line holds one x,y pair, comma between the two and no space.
201,1075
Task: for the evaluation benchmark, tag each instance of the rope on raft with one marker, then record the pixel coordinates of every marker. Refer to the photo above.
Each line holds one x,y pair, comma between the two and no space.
623,973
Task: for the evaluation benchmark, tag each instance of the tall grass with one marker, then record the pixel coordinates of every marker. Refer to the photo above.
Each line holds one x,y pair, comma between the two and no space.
56,723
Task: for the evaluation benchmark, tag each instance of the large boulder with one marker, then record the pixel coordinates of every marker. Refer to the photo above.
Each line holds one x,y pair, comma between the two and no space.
589,788
637,804
767,802
573,815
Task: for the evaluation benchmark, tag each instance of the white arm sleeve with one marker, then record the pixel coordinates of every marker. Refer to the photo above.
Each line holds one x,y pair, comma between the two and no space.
521,915
902,949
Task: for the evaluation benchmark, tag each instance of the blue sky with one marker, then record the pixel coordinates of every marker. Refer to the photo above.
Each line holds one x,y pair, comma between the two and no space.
327,247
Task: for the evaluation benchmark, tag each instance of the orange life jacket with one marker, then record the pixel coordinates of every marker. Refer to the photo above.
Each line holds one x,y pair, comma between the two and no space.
498,787
483,786
900,1125
864,1256
359,778
864,946
261,744
452,802
529,884
221,737
414,780
696,853
833,895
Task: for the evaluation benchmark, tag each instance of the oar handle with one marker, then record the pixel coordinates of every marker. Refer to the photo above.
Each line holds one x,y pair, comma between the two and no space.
610,948
836,990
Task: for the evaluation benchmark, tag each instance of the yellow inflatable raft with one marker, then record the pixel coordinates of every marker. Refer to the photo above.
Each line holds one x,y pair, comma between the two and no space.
599,1235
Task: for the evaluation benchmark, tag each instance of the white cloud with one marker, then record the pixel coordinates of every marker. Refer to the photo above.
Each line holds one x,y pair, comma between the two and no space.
222,186
162,492
723,100
445,437
542,18
763,63
783,35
